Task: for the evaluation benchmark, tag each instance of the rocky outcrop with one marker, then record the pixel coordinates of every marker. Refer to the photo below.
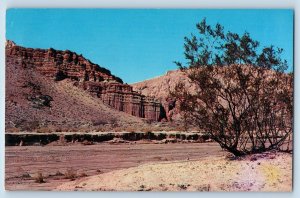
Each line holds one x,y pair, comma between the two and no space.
123,98
58,64
98,81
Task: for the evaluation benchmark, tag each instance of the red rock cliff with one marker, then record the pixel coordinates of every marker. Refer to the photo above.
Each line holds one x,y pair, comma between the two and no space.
91,77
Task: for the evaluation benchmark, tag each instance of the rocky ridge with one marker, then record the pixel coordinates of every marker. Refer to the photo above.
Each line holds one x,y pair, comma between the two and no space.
60,65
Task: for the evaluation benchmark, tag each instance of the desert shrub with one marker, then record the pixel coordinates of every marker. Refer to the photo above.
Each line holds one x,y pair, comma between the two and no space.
26,175
39,178
25,125
183,186
244,100
58,129
204,188
83,175
142,186
39,101
70,174
58,173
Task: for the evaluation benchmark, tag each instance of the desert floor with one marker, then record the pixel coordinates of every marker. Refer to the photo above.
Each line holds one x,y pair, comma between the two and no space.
60,164
264,172
145,167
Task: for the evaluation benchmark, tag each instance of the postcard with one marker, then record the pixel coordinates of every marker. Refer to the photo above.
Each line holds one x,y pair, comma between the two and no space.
149,100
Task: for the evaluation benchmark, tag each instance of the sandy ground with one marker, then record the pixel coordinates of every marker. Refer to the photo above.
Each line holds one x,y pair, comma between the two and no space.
263,172
23,163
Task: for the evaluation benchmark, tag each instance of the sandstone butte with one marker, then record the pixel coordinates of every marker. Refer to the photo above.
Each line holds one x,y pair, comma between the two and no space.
98,81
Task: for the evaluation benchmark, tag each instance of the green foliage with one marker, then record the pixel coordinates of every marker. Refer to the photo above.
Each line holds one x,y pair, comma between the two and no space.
214,47
244,100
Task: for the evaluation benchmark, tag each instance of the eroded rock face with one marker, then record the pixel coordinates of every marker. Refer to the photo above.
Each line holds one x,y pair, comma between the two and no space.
98,81
59,64
123,98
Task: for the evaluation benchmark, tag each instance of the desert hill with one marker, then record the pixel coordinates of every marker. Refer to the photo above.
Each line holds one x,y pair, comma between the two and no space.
160,88
61,90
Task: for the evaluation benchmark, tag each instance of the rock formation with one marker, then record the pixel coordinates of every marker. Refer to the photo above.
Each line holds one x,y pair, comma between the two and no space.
123,98
98,81
59,64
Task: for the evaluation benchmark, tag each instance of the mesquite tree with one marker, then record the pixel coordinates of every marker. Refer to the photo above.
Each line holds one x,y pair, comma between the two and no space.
244,99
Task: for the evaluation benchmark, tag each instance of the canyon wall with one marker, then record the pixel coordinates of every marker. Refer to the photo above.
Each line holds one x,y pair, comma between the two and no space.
96,80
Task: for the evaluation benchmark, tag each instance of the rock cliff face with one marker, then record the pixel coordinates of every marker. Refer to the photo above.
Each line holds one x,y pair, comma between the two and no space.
98,81
123,98
59,64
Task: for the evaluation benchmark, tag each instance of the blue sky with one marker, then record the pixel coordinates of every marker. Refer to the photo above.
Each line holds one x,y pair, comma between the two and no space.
140,44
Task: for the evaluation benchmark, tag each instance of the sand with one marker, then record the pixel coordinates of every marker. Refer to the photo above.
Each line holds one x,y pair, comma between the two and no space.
264,172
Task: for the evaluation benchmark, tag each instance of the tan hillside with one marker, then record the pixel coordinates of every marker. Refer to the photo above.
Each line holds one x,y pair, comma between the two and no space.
160,88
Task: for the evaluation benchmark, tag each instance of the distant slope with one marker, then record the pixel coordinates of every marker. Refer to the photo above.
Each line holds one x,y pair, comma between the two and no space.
160,87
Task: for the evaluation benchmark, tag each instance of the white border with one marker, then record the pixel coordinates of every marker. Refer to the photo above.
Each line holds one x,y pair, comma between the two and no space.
294,4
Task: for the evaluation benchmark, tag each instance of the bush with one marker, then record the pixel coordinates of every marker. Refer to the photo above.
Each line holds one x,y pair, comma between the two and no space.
58,173
244,100
70,174
39,178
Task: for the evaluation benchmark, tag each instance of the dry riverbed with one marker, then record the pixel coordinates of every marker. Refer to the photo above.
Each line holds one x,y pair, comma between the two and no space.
143,166
60,164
